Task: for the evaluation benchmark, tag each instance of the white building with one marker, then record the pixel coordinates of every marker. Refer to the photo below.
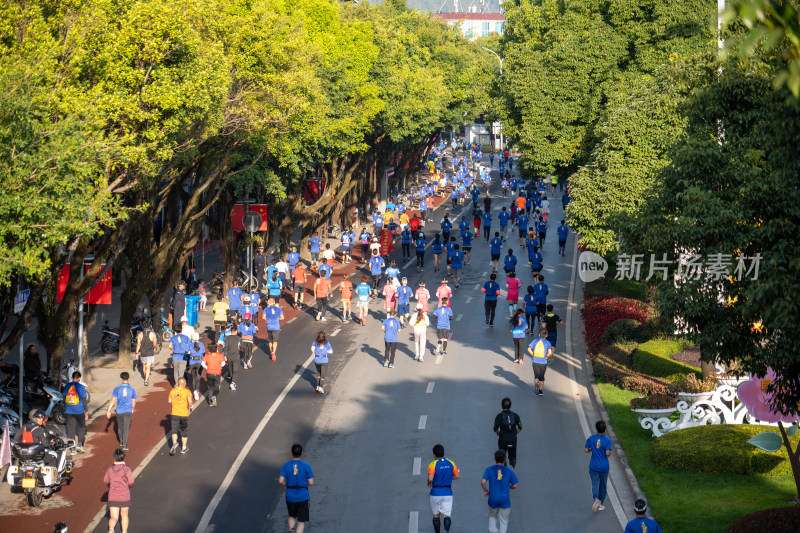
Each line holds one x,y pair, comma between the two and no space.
474,25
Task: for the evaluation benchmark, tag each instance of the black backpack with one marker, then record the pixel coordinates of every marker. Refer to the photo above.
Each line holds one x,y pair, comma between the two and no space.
508,423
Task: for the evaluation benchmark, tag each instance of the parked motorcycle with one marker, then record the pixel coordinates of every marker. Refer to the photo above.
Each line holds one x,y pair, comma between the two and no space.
37,393
109,342
29,473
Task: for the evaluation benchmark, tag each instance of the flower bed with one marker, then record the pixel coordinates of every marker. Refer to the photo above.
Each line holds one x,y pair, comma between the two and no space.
598,313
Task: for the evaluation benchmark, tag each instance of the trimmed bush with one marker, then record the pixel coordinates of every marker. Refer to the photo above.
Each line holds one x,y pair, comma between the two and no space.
775,520
720,448
653,358
598,313
611,366
628,288
624,329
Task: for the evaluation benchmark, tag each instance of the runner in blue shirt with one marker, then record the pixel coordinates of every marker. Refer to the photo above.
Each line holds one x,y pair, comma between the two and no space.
466,243
405,240
296,476
362,304
420,244
542,230
347,241
234,297
443,315
495,249
600,446
541,351
181,345
441,473
503,217
536,259
487,223
454,197
378,221
522,225
563,232
510,262
293,258
491,288
541,291
447,225
376,264
449,249
123,401
403,295
313,246
530,308
457,262
497,482
390,327
504,186
325,270
642,523
436,247
514,183
464,224
273,316
321,349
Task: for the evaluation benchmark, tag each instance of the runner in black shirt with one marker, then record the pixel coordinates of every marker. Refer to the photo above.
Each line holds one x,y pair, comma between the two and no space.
551,320
507,425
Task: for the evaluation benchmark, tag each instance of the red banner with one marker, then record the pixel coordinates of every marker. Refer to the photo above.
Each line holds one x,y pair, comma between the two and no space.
238,214
100,293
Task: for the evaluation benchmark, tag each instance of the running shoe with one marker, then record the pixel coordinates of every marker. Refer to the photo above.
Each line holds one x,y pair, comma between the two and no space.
273,356
184,449
391,366
173,448
80,449
320,390
595,506
324,319
386,363
601,508
197,394
233,385
541,392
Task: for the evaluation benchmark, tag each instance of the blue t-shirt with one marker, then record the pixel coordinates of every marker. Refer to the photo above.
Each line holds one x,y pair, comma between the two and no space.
313,244
598,445
642,524
540,348
247,331
363,290
492,288
378,222
443,315
562,231
125,394
293,258
180,345
406,237
457,260
196,356
423,206
274,287
466,238
463,225
421,244
442,470
454,194
392,272
447,225
487,219
392,326
536,260
518,332
540,291
376,265
510,262
321,352
503,217
495,245
451,247
347,238
235,296
296,473
530,302
404,294
522,222
542,227
325,270
475,194
499,479
272,316
80,390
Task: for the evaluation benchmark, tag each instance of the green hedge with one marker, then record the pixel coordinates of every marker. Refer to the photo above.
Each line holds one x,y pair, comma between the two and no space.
719,448
629,288
653,358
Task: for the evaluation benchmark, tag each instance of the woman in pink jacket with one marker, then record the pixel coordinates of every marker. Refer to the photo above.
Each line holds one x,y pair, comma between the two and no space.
119,479
513,284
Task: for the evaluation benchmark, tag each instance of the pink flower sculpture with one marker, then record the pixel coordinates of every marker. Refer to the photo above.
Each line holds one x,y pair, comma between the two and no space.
753,394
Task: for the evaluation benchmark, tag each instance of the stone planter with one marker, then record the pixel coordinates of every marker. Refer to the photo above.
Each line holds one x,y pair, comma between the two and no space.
731,381
691,397
654,413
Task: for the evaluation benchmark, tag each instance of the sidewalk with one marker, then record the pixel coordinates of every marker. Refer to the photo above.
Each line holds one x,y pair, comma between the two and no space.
77,503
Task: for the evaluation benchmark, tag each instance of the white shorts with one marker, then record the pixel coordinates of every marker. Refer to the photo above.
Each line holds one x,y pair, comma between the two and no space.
147,360
442,505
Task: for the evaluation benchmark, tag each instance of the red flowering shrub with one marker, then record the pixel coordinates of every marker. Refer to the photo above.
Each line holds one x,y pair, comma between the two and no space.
775,520
598,313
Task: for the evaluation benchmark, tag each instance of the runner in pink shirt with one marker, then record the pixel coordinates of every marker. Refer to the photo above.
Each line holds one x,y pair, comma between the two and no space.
444,291
513,285
422,295
389,300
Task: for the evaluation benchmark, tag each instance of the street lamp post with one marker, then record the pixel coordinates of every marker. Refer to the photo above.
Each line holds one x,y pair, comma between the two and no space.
495,54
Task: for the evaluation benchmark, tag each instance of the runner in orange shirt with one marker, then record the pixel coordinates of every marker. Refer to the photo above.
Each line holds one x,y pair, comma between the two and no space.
346,289
213,362
181,400
322,290
520,201
299,275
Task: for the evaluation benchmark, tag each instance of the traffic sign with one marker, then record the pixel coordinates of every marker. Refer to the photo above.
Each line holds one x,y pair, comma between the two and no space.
20,299
251,221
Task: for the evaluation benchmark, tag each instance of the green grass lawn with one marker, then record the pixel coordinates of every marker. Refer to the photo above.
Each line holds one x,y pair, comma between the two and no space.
684,501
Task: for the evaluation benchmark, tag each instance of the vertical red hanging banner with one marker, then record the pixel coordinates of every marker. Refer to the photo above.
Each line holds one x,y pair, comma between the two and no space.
99,294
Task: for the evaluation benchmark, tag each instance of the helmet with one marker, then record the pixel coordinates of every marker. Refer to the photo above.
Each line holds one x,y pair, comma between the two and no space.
247,316
36,414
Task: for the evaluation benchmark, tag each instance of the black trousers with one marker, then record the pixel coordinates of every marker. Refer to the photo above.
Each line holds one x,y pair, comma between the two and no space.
212,382
322,304
320,372
389,352
420,258
230,368
123,428
247,351
196,370
486,230
76,428
519,344
406,249
508,445
489,306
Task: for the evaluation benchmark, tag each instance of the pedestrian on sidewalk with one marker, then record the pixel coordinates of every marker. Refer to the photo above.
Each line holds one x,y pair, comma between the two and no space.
512,297
491,288
75,398
213,362
542,353
119,479
420,322
181,400
321,349
296,476
600,446
146,344
441,474
390,327
202,292
443,315
322,291
519,328
181,347
299,277
273,315
196,354
507,425
497,482
232,350
177,303
123,400
642,523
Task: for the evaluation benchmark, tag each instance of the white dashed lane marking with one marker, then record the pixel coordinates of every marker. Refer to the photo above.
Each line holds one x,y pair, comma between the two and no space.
415,470
423,421
430,387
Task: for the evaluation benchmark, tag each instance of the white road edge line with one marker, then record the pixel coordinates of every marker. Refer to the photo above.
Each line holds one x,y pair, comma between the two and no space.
413,522
417,468
336,332
423,421
430,387
612,493
226,483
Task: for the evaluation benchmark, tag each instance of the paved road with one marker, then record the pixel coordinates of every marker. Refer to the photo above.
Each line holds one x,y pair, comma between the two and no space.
375,426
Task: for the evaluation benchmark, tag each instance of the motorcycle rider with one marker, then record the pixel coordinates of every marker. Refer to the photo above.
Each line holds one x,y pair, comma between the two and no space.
35,432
